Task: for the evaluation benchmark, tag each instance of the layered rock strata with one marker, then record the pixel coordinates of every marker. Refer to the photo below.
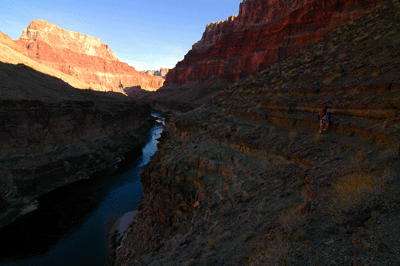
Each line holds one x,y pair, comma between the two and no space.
263,32
12,53
53,134
83,57
247,180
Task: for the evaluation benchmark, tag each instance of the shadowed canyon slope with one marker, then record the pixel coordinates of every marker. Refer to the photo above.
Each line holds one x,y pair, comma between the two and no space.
83,57
263,32
53,134
246,179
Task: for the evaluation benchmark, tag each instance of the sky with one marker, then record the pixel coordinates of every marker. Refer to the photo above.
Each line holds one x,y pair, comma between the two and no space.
147,34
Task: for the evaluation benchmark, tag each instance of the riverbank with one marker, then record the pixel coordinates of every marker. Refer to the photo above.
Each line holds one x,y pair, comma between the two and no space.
69,226
115,228
90,136
117,225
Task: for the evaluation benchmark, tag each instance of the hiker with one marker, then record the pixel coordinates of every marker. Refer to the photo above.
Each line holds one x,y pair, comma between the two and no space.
324,117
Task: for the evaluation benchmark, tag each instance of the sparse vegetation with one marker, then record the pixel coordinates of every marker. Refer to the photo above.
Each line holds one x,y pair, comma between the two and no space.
275,253
382,71
390,154
357,58
191,262
211,244
359,159
354,195
247,236
292,219
300,198
293,136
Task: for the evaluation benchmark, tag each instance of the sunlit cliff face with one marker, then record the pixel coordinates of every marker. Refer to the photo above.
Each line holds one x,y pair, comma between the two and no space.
263,32
83,57
61,38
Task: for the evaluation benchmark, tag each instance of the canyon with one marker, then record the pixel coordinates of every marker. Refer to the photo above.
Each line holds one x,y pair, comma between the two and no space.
264,32
246,179
242,175
64,113
54,134
81,56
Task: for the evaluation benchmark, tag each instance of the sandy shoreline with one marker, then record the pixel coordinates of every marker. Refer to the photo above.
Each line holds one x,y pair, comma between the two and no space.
117,225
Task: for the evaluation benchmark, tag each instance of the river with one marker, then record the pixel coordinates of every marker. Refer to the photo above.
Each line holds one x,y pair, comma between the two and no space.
69,226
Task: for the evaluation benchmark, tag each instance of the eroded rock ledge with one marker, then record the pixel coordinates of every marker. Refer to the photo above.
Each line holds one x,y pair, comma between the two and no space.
247,180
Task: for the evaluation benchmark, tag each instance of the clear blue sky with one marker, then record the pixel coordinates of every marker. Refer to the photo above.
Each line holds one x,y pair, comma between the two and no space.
147,34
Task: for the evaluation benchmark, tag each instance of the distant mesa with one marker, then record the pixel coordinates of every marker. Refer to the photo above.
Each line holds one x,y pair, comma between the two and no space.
56,37
12,53
80,56
161,73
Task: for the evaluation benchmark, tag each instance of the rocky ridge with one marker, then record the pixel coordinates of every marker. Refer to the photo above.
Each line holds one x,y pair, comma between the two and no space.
83,57
263,32
247,180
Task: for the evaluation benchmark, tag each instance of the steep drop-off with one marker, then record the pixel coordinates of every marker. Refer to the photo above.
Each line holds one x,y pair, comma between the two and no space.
263,32
53,134
83,57
247,180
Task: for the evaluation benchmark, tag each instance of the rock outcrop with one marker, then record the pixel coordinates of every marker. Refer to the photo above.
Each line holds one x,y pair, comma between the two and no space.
263,32
161,73
83,57
247,180
53,134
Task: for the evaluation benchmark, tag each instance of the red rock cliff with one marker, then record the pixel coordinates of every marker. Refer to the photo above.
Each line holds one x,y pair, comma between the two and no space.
246,178
83,57
264,31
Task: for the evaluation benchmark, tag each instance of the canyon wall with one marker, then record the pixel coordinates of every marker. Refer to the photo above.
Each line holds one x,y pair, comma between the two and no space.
83,57
53,134
246,179
12,53
262,33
